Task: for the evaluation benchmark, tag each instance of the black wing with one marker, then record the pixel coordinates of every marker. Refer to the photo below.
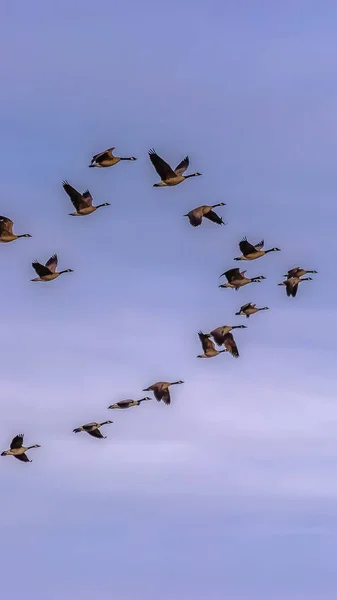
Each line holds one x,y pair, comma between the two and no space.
248,305
183,166
96,433
194,220
17,441
246,247
163,169
73,194
23,457
218,336
212,216
291,288
233,275
41,270
102,155
230,345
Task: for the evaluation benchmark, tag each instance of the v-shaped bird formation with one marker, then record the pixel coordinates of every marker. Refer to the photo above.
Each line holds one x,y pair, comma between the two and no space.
220,340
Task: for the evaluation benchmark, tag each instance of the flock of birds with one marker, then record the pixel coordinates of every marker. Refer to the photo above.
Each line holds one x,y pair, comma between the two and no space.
222,336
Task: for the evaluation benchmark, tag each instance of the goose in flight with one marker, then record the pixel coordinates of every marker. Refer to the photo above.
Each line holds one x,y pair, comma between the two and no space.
250,309
297,272
236,279
250,252
166,173
196,215
82,202
208,346
161,391
220,333
128,403
291,284
48,272
107,159
18,450
6,231
92,429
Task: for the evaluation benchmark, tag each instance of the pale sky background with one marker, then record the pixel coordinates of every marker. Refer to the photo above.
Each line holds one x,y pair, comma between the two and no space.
230,492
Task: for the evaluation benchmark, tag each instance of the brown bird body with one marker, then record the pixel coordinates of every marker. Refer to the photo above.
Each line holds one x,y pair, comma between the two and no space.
168,176
249,309
161,391
196,215
219,333
48,272
82,202
297,272
128,403
208,346
236,279
250,252
107,159
18,450
291,284
6,231
92,429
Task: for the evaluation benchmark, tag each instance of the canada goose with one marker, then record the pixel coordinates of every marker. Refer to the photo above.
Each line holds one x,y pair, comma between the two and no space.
47,272
297,272
195,216
6,231
236,279
207,346
107,159
249,309
250,252
128,403
292,284
93,429
166,174
82,202
220,332
18,450
161,391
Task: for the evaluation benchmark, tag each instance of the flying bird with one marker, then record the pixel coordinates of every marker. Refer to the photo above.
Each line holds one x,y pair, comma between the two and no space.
6,231
219,334
48,272
297,272
166,173
92,429
207,346
250,252
82,202
128,403
196,215
291,284
236,279
161,391
107,159
18,450
249,309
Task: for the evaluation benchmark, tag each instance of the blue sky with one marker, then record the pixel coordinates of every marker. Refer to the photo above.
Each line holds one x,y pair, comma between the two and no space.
231,491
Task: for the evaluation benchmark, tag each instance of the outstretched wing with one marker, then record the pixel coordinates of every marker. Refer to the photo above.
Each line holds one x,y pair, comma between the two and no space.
96,433
51,264
41,270
230,345
75,196
212,216
246,247
87,198
17,441
291,287
233,275
166,398
102,155
6,225
195,219
206,343
163,169
218,335
182,167
23,457
259,246
248,305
